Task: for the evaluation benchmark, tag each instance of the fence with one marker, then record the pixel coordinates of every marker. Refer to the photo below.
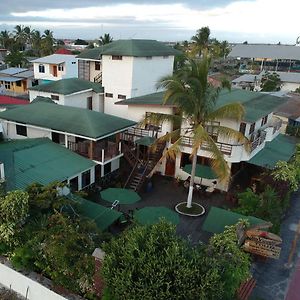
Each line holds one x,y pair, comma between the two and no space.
25,286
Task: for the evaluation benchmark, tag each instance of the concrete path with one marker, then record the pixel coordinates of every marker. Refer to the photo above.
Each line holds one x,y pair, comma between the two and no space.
274,279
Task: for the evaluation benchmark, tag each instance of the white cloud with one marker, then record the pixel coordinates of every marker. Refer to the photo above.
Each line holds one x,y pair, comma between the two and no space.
261,17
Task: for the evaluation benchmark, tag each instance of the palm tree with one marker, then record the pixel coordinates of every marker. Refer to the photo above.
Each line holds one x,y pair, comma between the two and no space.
47,42
36,39
105,39
5,39
196,101
201,39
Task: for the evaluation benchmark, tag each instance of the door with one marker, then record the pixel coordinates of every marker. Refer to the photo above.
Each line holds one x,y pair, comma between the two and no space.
170,167
55,71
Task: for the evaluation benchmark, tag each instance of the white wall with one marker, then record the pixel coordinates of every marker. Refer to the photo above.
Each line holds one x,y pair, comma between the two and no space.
93,72
25,286
34,94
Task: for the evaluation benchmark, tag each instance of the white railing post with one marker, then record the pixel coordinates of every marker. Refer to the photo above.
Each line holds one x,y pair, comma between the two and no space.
102,155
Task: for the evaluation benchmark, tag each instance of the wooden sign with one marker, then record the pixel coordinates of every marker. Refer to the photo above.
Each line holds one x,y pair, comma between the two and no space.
263,249
262,243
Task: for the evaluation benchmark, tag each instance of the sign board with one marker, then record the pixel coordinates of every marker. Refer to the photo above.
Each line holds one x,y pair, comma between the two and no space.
263,249
262,243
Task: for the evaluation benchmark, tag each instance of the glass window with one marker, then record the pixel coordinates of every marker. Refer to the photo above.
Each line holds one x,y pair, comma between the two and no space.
109,95
123,97
117,57
107,168
21,130
252,127
60,67
41,69
86,178
97,66
7,85
19,83
242,128
264,120
55,97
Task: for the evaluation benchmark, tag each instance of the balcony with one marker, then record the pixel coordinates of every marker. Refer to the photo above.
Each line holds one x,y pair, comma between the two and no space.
223,147
101,151
135,133
257,139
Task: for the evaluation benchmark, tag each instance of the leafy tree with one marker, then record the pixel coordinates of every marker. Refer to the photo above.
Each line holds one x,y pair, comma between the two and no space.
201,39
105,39
196,99
229,261
15,59
13,212
47,43
80,42
248,203
270,82
6,39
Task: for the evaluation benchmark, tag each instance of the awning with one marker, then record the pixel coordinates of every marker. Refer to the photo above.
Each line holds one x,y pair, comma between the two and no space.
151,215
103,216
218,218
202,171
10,79
281,148
146,141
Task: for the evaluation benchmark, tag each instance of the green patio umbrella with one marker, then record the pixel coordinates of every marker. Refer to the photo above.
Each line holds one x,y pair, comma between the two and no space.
151,215
123,196
201,171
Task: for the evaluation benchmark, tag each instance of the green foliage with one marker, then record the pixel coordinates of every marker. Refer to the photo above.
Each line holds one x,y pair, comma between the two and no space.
105,39
248,203
13,211
15,59
297,90
293,130
270,82
287,172
152,262
23,258
227,259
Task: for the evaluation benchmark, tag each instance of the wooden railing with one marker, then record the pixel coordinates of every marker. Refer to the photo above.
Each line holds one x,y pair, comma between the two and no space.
100,152
138,132
223,147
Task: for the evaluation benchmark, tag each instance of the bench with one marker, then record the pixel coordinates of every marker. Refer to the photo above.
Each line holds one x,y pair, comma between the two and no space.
246,288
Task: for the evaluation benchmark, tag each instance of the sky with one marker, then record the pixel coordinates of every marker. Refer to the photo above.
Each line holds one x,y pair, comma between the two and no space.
268,21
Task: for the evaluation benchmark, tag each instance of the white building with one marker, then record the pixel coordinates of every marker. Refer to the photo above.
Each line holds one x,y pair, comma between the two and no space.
71,92
55,67
259,125
126,68
91,134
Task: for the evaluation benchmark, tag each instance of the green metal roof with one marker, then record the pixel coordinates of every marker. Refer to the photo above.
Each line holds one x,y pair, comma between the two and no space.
79,121
68,86
281,148
42,99
134,47
39,160
218,218
103,216
257,105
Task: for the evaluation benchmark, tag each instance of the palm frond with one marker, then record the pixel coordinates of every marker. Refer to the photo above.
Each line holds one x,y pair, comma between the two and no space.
232,135
158,119
232,111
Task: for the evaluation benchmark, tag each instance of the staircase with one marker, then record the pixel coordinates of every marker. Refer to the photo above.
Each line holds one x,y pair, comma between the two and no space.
144,169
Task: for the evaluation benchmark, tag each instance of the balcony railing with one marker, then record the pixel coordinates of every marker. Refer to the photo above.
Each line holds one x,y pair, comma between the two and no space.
276,124
133,132
223,147
100,151
257,139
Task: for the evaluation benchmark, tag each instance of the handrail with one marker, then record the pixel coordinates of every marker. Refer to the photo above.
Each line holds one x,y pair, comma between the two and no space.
130,175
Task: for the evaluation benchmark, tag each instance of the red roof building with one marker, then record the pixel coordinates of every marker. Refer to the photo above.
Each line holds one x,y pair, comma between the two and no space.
62,51
7,100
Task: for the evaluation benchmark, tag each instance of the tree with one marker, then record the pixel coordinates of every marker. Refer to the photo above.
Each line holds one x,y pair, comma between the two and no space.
13,212
36,42
6,39
80,42
15,59
270,82
47,42
105,39
201,39
195,98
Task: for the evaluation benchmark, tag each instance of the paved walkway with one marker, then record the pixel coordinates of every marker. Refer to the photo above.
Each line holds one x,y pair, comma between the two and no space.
273,278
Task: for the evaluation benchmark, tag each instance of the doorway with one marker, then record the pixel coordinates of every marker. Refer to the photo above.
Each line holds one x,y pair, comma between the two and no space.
170,167
55,71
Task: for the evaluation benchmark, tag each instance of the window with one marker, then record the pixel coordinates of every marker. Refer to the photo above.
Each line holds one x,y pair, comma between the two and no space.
109,95
73,62
19,83
242,128
41,69
89,103
148,57
107,168
212,129
86,178
61,67
264,120
97,66
55,97
74,184
7,85
166,56
123,97
21,130
252,127
117,57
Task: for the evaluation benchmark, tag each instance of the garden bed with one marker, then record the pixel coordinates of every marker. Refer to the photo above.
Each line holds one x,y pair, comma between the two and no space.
195,211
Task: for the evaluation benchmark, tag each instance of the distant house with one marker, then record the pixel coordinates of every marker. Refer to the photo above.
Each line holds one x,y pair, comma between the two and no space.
126,69
27,161
10,102
71,92
15,81
91,134
55,67
63,51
